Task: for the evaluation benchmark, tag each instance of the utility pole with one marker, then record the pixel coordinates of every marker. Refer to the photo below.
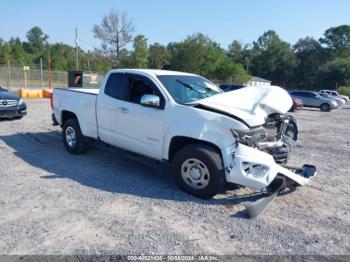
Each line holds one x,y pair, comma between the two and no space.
49,70
76,49
41,73
8,75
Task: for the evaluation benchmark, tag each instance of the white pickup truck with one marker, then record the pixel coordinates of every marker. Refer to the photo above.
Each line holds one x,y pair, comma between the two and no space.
209,137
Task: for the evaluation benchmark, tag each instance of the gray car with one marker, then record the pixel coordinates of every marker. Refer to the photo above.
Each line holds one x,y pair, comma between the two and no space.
313,99
339,100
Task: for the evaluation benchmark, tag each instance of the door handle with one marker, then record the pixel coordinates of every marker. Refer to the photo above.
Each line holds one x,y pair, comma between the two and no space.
123,110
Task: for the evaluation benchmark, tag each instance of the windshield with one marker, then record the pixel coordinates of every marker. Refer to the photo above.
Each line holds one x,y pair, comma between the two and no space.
186,89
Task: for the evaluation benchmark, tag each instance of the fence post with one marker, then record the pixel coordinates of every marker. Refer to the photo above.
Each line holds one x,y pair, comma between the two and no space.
41,73
49,71
9,74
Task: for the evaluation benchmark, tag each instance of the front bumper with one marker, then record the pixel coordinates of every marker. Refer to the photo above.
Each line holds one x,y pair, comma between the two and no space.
333,105
253,168
13,111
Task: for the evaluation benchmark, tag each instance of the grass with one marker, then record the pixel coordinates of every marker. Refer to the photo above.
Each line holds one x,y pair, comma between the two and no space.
345,90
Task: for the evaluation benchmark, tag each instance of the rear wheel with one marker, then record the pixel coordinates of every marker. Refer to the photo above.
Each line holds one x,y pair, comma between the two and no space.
325,107
199,171
73,139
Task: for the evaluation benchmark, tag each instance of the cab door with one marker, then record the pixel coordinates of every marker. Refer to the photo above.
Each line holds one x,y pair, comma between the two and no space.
107,107
140,128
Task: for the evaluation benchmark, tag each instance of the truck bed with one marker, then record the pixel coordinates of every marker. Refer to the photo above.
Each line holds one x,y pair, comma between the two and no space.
91,91
82,103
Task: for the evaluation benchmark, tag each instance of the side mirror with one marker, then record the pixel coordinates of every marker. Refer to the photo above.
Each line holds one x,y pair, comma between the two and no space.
150,101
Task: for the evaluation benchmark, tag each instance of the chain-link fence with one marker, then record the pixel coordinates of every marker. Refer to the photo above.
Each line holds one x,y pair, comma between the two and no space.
16,77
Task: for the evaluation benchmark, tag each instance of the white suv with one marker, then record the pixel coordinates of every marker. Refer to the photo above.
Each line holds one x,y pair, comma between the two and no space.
335,93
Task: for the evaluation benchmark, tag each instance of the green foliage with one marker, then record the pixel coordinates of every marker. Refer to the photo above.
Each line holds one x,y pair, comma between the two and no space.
335,73
5,52
36,40
200,55
189,55
344,90
310,55
139,56
337,39
272,58
158,56
308,64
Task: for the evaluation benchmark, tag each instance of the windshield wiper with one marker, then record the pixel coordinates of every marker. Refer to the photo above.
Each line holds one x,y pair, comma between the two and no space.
188,86
207,88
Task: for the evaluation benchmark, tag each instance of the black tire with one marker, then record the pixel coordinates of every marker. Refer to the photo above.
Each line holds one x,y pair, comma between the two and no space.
210,157
325,107
81,144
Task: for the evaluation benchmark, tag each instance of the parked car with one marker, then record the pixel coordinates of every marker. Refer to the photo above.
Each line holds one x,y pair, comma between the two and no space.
313,99
339,100
11,106
209,138
335,93
297,104
230,87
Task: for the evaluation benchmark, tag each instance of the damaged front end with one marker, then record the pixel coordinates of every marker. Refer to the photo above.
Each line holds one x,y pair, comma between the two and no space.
274,137
259,160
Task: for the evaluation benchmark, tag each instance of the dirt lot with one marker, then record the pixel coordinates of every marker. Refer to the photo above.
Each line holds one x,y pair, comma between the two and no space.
110,202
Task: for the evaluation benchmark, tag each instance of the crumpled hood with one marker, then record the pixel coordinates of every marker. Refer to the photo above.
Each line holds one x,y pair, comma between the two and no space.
251,104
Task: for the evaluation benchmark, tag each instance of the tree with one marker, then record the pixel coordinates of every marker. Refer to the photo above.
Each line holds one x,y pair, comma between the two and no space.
199,54
115,32
272,58
239,53
18,53
5,52
311,56
337,39
62,56
228,71
158,56
218,66
36,40
140,53
334,74
189,55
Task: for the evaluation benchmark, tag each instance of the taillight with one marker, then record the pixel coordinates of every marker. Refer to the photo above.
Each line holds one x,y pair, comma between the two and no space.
51,100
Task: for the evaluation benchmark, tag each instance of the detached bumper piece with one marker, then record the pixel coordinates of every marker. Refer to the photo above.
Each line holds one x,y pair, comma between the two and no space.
306,171
277,185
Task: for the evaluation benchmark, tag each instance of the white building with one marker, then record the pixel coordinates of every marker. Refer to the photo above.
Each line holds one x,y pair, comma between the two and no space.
257,81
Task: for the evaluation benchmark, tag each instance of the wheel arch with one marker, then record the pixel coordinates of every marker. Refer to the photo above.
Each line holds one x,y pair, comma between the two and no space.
65,115
178,142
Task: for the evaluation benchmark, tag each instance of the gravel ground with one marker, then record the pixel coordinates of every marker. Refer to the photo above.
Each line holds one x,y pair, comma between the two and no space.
110,202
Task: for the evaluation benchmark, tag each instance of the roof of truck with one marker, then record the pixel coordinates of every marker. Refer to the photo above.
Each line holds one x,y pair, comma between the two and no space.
154,72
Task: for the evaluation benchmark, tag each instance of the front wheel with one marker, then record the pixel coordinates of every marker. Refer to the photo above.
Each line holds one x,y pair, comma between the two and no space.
199,171
325,107
73,139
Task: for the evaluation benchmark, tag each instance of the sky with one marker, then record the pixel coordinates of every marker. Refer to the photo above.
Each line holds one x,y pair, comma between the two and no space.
164,21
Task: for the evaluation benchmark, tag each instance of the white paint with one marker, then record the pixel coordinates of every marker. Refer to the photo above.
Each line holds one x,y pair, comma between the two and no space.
149,131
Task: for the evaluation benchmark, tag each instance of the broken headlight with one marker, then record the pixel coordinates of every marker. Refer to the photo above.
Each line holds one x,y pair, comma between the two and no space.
250,137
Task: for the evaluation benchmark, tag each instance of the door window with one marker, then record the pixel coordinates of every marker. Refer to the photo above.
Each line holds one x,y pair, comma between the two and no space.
138,86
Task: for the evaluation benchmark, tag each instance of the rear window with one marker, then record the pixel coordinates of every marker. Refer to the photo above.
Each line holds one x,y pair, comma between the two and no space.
115,86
